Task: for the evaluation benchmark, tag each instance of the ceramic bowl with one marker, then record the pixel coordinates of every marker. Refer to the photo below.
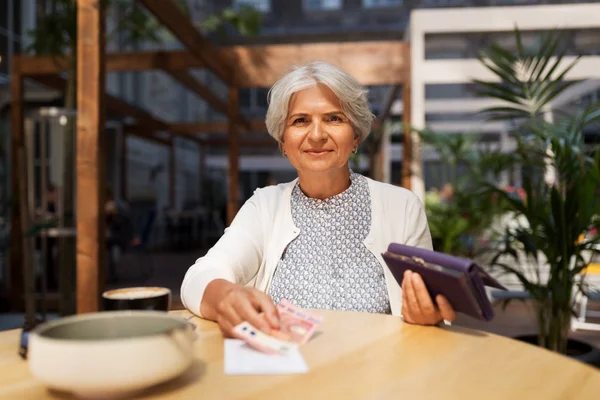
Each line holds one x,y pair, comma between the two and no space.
110,354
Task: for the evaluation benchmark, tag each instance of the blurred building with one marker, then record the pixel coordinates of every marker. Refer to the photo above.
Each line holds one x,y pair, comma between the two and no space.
284,21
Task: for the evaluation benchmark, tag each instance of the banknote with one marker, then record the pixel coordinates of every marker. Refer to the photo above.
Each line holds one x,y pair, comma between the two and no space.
296,324
296,327
260,340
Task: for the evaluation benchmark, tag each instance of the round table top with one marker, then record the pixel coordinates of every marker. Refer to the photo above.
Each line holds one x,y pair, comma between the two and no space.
359,355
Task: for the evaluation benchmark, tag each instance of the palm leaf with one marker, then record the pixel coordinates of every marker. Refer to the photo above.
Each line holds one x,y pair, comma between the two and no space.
543,58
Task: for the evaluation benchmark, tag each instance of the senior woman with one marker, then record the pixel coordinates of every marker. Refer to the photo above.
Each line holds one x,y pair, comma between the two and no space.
315,241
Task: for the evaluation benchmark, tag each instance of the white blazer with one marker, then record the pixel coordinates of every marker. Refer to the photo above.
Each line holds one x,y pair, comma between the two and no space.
250,248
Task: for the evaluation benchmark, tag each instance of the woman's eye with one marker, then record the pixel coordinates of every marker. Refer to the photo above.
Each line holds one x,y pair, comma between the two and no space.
335,118
299,120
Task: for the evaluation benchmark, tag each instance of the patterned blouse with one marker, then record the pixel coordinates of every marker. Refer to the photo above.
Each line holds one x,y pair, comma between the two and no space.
328,266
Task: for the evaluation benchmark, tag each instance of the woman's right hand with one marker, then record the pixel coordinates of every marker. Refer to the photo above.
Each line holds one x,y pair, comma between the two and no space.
236,304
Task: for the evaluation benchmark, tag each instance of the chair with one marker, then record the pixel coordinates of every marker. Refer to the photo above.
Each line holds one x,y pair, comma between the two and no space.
581,320
515,289
126,252
503,295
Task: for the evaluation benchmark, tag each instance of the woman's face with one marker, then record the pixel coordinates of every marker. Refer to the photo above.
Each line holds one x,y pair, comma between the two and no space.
318,137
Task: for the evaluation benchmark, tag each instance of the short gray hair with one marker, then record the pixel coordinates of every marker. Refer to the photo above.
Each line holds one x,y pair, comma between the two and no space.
353,97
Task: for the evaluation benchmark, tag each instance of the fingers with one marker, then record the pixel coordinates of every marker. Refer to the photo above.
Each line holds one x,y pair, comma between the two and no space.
411,299
446,309
232,312
430,314
228,313
247,304
265,304
405,308
417,305
225,326
247,311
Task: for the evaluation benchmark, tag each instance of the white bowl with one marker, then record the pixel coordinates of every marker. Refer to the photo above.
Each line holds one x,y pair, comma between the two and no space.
110,354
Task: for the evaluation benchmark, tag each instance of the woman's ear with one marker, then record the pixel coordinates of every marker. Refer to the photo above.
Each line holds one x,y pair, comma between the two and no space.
281,148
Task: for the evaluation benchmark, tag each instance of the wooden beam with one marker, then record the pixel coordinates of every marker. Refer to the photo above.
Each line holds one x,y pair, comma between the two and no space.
214,127
234,156
370,62
142,117
122,108
172,17
42,65
113,104
149,60
257,126
267,142
146,134
91,249
17,146
188,81
406,111
379,159
199,127
194,128
117,62
392,95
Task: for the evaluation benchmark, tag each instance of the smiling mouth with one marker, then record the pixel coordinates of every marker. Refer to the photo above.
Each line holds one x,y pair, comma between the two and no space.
317,152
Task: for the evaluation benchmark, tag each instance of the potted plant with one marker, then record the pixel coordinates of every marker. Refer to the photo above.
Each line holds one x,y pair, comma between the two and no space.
456,213
550,242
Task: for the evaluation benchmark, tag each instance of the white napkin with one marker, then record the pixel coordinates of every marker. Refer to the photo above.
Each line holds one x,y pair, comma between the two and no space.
241,359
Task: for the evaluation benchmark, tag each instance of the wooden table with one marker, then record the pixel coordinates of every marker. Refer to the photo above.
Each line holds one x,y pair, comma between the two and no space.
358,356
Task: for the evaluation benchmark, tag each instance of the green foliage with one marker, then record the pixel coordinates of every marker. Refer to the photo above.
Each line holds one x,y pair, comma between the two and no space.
465,213
135,23
552,233
246,20
447,224
529,79
557,212
56,32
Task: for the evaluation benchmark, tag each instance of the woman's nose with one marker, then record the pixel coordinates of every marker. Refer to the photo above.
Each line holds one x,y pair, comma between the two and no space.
317,132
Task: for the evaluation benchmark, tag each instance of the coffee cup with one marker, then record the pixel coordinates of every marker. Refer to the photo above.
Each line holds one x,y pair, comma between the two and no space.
137,298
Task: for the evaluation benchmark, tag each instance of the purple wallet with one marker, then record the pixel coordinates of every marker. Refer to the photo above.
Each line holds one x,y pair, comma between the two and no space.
460,280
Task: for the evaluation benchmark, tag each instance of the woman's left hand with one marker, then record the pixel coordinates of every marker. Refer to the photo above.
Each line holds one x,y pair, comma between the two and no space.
417,305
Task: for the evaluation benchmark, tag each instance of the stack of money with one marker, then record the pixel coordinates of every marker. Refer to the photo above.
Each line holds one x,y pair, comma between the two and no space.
296,327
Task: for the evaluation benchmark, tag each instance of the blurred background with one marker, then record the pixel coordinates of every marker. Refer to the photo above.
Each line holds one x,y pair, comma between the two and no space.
167,189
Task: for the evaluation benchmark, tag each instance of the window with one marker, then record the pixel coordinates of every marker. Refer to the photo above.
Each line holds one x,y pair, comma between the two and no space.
245,98
381,3
261,98
263,6
322,5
